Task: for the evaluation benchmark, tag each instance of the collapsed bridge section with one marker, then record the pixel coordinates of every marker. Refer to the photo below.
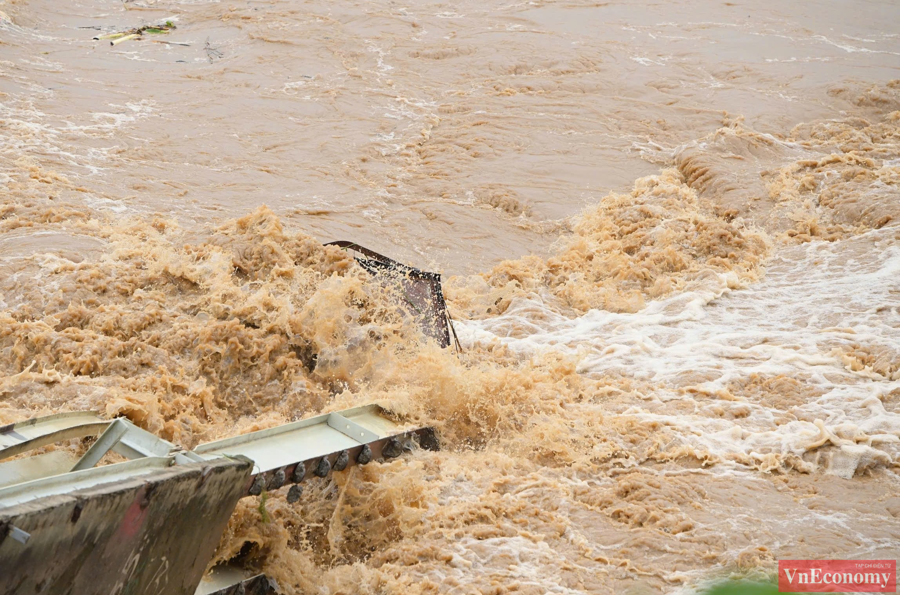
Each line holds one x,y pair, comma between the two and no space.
151,524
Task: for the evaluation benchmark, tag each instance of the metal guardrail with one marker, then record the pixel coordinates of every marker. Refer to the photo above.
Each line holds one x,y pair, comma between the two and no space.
281,455
41,431
136,523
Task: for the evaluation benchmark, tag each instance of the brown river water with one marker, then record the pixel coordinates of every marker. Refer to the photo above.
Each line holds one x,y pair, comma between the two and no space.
669,233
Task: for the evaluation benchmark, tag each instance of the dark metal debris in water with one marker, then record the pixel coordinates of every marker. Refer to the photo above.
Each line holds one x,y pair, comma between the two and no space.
421,291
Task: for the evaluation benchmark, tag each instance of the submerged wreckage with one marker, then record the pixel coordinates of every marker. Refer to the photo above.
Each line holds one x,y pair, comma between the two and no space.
151,524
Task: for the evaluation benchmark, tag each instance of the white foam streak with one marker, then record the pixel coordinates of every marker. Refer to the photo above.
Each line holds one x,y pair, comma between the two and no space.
814,305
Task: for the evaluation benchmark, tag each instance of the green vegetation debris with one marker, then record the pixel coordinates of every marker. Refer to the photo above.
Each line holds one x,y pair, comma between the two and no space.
263,513
120,36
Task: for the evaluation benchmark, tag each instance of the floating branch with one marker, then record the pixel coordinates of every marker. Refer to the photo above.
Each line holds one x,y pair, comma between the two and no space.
124,38
187,45
118,37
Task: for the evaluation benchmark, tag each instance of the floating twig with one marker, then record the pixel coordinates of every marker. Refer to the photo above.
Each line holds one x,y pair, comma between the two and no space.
124,38
109,36
118,37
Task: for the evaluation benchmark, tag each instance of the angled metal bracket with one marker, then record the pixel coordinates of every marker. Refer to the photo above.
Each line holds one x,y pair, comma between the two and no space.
107,440
351,429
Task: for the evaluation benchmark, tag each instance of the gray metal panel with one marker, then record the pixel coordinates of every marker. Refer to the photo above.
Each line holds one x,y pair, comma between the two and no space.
379,424
78,480
278,450
146,535
35,467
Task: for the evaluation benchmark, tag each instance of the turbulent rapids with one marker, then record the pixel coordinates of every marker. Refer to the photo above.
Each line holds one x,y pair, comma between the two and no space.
670,245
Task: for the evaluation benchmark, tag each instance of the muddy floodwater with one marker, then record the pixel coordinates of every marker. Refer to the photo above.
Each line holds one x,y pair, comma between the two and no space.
670,240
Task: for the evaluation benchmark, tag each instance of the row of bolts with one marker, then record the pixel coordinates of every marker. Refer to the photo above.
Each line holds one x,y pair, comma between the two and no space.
391,450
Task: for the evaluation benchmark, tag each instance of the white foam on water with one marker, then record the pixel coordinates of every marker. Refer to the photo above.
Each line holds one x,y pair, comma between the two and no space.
851,48
26,130
813,306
